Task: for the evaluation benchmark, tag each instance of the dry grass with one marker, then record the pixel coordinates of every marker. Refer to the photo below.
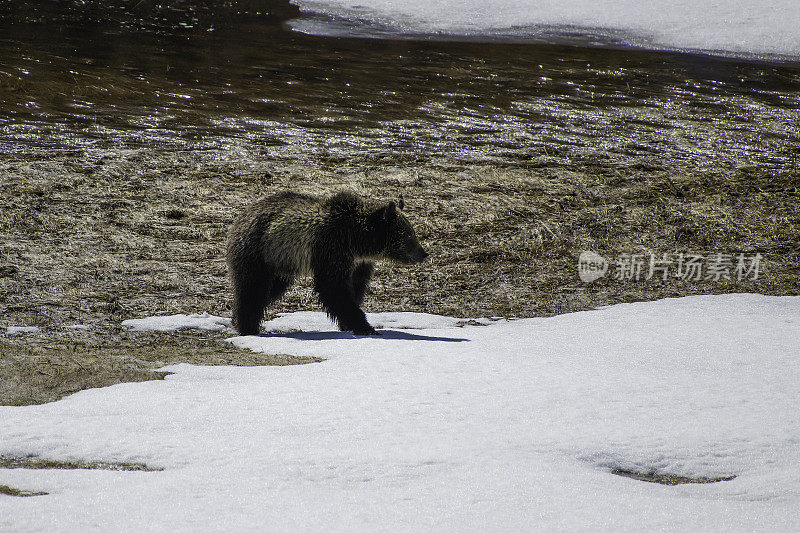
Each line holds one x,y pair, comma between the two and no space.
39,463
35,374
669,479
41,370
11,491
95,238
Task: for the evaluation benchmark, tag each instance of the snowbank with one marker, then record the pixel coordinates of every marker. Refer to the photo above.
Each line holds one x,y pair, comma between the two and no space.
754,27
513,425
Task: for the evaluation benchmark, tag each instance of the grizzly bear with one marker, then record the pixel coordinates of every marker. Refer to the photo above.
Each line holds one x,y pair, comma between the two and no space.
335,239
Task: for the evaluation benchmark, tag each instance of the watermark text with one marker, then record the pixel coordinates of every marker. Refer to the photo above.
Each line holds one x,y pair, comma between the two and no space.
717,266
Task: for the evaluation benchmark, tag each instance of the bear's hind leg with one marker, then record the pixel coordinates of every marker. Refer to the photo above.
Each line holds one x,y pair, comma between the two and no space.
252,286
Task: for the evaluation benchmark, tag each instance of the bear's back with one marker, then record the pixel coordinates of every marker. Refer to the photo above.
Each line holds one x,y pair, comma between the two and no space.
291,225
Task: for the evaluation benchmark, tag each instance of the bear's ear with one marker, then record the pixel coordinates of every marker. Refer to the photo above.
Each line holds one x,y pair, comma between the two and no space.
389,211
401,203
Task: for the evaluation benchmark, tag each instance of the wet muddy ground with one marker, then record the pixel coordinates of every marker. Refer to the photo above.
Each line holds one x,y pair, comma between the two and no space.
126,151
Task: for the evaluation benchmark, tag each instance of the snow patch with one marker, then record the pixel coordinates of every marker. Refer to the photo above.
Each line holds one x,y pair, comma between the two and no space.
203,321
22,330
80,327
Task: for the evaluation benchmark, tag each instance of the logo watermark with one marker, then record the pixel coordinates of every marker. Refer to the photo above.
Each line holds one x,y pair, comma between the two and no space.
691,267
591,266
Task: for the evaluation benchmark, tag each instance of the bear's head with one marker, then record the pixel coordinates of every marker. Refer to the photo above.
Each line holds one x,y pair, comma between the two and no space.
401,240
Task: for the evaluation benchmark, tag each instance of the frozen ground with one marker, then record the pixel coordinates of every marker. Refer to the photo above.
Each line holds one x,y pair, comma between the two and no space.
512,425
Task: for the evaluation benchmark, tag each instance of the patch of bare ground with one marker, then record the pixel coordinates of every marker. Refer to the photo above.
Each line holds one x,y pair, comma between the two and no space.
41,463
11,491
669,479
44,369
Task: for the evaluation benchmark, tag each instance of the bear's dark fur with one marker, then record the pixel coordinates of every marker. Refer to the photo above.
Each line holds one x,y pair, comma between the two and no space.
335,239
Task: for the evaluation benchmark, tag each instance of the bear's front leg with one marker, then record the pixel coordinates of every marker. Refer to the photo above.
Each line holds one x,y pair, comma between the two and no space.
336,294
360,280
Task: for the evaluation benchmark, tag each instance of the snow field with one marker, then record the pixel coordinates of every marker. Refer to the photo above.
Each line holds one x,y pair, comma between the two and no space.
512,425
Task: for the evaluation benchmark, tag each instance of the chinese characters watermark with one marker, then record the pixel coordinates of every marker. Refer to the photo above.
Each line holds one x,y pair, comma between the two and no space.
686,266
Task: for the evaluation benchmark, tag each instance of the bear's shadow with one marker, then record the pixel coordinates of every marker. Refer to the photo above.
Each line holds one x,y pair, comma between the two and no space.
386,334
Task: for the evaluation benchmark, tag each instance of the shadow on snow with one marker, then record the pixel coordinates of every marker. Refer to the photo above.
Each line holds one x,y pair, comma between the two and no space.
384,334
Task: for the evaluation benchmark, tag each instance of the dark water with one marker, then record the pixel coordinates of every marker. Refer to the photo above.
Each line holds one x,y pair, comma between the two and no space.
193,75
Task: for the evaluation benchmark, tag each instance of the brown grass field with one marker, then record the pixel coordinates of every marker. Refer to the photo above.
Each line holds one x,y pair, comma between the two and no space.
94,238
